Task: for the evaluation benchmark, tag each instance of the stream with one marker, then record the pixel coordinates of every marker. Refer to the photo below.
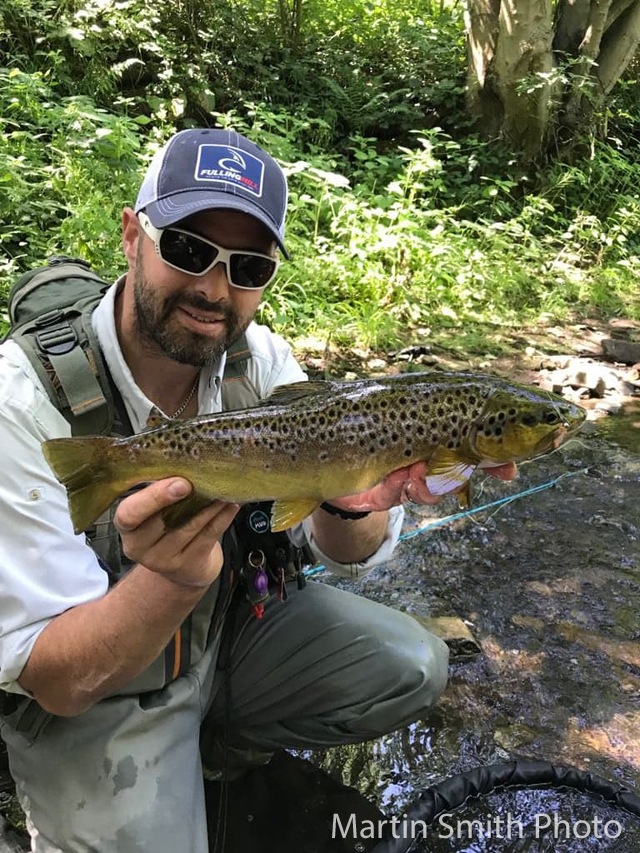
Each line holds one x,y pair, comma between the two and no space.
548,585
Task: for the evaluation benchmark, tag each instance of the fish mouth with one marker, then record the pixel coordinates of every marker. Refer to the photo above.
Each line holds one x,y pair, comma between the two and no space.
554,439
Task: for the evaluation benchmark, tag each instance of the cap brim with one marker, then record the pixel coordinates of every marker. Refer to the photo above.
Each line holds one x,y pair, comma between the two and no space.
169,211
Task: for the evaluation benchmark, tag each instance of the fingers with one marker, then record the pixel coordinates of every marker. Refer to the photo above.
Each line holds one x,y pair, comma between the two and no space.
403,485
139,507
415,488
188,554
409,485
508,471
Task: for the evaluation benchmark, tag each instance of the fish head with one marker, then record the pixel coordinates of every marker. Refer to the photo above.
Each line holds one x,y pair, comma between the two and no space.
521,423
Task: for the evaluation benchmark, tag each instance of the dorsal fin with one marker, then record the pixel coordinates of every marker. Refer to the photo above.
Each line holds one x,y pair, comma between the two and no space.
156,420
298,391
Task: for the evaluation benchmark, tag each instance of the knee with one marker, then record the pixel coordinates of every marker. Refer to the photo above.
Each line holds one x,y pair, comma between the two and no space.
420,662
409,673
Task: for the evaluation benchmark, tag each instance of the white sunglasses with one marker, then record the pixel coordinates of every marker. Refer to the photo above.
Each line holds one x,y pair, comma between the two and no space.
195,255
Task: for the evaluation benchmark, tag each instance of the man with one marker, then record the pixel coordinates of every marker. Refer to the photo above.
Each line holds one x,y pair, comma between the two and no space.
107,740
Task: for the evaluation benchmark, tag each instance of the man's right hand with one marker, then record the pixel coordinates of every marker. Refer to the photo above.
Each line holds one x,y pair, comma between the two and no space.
189,555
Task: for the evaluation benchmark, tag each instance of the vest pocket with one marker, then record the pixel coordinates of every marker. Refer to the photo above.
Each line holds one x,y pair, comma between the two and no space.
23,715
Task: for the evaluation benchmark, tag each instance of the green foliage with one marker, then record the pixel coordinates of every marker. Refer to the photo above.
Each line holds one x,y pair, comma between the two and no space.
400,219
66,168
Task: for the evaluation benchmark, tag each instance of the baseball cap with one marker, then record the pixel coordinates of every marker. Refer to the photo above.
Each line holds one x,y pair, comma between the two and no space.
214,169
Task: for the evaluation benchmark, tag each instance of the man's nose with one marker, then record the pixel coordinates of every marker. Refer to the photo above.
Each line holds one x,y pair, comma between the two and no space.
214,284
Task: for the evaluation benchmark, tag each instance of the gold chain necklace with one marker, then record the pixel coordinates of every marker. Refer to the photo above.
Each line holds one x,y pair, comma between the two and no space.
184,405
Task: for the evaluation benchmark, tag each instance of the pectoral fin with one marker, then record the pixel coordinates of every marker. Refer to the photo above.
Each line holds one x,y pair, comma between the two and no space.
154,421
464,496
285,514
447,472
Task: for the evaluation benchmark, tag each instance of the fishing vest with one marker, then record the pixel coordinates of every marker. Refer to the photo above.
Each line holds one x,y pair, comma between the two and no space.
257,562
50,314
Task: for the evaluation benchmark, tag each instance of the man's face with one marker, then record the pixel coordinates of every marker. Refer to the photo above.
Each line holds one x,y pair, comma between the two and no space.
194,319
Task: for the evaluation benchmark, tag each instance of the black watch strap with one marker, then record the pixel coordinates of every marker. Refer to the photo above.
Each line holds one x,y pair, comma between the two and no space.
343,513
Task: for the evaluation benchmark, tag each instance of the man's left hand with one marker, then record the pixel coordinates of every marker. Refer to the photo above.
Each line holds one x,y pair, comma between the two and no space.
407,485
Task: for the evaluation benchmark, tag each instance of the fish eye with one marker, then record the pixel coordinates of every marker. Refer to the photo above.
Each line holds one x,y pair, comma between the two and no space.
552,418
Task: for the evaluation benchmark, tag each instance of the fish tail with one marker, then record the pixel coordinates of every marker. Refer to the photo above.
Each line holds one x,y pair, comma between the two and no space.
87,468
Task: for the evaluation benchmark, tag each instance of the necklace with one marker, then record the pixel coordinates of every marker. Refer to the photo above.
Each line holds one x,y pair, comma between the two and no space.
189,397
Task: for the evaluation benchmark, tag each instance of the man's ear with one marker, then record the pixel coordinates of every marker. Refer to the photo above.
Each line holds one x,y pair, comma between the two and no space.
130,235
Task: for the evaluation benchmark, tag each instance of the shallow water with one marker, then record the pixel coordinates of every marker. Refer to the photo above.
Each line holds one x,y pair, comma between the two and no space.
531,820
623,429
549,586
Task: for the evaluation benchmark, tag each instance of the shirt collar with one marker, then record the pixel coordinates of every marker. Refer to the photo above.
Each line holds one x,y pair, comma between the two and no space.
138,406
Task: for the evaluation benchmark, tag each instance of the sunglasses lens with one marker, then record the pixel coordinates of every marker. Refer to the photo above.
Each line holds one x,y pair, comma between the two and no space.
251,271
195,256
186,252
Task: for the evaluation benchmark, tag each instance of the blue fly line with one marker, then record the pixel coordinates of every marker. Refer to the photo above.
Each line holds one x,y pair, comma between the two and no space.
440,522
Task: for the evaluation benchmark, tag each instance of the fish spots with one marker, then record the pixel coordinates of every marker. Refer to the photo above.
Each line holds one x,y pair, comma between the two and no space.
401,418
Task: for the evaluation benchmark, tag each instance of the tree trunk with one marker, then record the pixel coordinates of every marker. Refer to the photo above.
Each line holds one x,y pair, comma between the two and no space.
540,70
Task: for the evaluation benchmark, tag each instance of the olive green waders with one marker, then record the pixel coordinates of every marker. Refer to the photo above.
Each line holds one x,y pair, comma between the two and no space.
322,668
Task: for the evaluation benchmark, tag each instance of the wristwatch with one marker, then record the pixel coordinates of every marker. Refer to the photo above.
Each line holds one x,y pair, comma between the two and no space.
343,513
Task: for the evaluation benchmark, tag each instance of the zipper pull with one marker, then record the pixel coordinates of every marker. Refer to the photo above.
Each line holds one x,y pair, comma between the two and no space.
258,586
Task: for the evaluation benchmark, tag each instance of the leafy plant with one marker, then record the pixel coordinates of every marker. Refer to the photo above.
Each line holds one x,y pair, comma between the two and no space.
400,219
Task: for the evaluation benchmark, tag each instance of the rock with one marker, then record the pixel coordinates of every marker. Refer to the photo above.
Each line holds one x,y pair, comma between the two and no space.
627,352
609,407
633,376
545,383
10,840
622,323
455,633
589,377
581,378
558,362
576,394
417,354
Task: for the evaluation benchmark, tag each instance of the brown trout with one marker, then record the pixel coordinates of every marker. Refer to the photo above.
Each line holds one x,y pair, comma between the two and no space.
314,441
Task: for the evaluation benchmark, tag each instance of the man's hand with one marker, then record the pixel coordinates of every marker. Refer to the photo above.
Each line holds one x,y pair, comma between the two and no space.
407,484
189,555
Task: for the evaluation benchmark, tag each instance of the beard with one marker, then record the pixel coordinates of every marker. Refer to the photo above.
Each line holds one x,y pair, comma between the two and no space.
159,330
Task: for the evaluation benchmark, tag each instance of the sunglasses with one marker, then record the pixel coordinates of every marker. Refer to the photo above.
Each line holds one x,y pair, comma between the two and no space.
192,254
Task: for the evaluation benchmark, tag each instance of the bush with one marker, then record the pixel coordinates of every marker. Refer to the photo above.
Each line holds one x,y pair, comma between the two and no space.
400,218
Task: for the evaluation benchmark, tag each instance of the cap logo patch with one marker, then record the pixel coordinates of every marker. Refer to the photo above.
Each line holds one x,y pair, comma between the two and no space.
222,164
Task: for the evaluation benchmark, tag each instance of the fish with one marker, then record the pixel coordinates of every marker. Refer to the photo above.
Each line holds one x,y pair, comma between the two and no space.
318,440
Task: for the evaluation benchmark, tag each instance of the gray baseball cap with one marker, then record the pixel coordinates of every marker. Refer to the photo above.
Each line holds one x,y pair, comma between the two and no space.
214,169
